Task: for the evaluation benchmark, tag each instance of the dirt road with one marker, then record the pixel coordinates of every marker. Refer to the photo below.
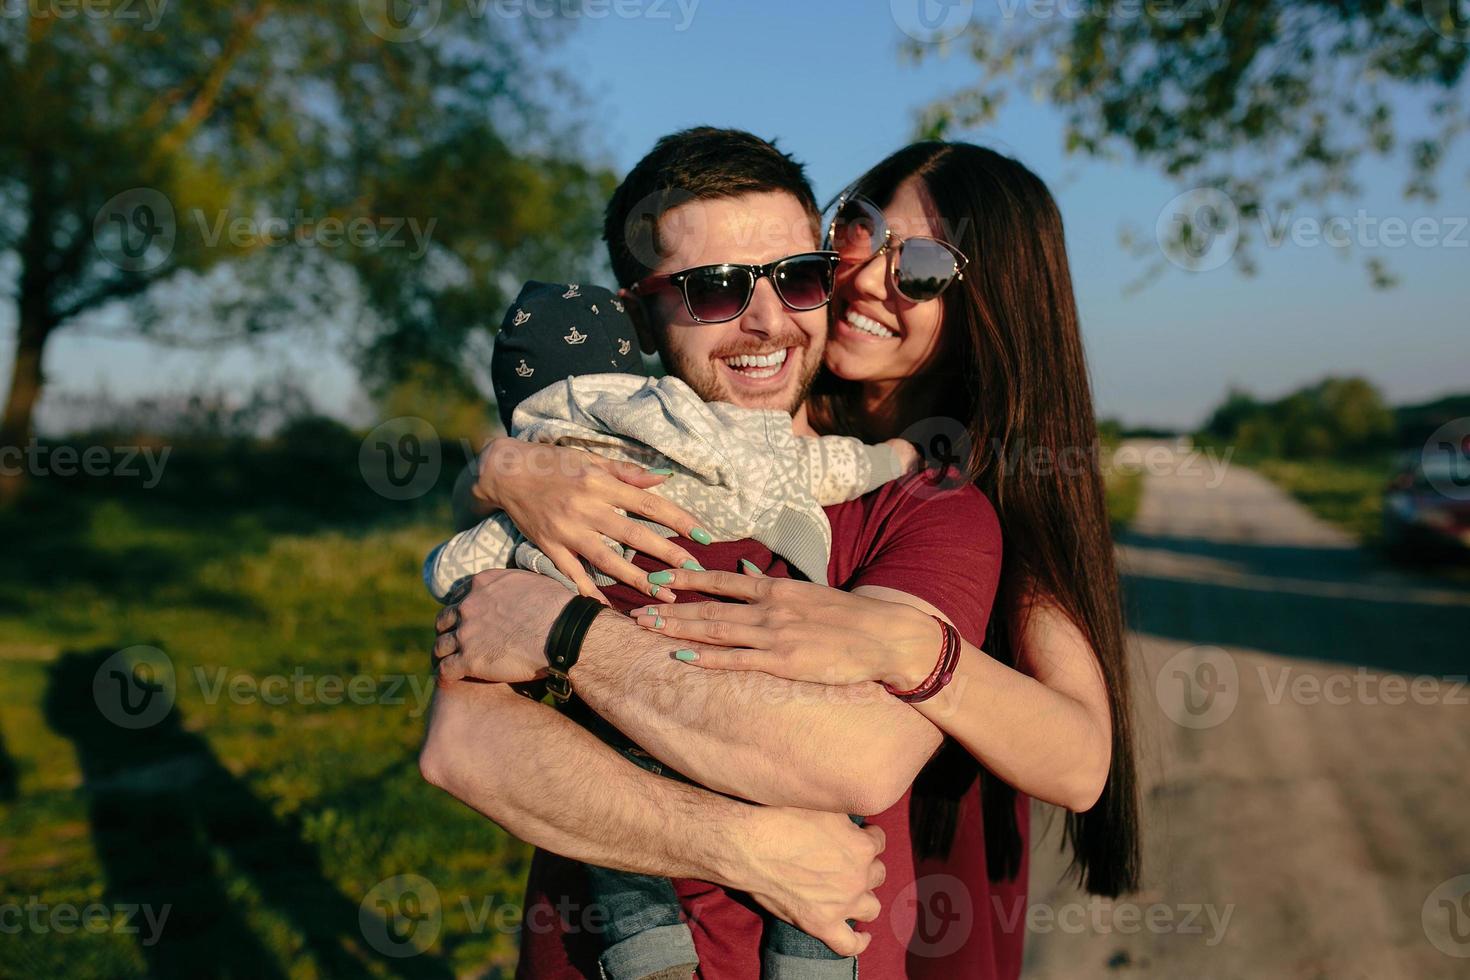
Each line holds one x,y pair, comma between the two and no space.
1306,754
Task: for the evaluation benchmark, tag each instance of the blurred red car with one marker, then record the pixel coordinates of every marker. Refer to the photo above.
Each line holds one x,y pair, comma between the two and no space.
1420,519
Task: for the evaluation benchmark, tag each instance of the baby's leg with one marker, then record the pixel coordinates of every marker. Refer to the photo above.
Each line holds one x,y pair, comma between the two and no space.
646,936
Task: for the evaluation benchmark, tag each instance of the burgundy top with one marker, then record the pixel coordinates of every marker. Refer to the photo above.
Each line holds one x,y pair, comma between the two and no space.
941,918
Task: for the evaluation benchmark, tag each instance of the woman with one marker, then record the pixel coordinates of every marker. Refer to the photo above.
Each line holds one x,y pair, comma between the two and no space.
970,319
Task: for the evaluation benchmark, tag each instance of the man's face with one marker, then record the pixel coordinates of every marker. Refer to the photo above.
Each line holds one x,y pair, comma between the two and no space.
749,229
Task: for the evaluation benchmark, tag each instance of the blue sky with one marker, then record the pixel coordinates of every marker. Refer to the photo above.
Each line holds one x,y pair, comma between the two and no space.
825,78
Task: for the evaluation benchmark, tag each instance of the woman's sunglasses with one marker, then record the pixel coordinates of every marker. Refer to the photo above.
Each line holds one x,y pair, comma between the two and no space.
921,267
717,293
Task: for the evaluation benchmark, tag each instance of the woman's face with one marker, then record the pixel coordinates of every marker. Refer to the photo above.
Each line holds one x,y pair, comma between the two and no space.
876,334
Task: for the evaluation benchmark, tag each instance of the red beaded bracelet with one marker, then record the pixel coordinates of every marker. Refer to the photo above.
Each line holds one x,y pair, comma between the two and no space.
943,672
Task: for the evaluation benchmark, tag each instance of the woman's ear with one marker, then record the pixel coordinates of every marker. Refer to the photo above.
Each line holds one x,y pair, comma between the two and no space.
634,305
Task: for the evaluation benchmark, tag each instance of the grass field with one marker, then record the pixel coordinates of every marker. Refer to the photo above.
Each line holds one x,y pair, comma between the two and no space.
1348,493
280,785
259,811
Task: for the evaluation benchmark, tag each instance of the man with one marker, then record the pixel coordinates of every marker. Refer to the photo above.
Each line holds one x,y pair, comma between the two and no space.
811,754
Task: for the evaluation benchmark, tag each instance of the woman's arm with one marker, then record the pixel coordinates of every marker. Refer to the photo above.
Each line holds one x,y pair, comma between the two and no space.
1044,728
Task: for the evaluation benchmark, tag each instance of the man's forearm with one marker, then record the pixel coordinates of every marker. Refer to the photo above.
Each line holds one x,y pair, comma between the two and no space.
552,783
848,749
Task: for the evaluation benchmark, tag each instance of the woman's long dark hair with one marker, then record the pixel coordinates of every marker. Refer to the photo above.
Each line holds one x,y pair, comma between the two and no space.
1010,366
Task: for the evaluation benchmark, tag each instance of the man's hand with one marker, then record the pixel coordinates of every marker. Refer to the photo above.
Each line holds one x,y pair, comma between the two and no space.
815,870
495,626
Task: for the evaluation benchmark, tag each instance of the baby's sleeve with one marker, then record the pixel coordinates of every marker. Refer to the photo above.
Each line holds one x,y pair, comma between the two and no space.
840,468
489,544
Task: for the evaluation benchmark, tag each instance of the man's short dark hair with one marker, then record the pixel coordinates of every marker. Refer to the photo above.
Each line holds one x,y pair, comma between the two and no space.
696,164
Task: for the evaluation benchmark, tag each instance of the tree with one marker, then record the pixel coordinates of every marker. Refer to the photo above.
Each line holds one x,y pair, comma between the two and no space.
268,158
1331,417
1261,104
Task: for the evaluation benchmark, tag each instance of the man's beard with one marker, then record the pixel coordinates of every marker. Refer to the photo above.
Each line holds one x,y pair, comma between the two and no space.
704,376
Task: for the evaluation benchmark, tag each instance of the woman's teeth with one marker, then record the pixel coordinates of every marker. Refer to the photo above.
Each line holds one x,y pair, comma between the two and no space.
868,325
757,365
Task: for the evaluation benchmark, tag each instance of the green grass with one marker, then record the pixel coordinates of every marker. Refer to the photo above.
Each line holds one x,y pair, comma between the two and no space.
1123,489
1348,493
262,825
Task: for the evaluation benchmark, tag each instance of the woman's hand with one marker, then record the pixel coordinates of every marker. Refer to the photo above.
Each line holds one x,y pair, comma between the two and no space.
567,501
799,630
815,870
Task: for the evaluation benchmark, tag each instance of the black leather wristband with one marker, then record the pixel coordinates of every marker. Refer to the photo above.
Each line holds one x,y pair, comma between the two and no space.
564,643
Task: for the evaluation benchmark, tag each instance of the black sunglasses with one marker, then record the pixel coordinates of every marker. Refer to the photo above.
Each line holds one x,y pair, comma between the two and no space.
718,293
921,267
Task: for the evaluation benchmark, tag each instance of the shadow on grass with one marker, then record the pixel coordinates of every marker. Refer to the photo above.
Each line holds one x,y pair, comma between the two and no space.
166,816
1340,605
9,775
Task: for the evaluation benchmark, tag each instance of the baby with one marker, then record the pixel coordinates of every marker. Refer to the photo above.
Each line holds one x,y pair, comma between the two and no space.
743,473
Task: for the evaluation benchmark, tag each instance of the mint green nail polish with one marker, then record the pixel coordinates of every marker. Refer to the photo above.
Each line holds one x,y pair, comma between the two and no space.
749,566
658,622
661,471
701,535
685,655
692,565
661,578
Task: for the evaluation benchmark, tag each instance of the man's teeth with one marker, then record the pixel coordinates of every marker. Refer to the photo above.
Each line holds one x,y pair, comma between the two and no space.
758,365
868,325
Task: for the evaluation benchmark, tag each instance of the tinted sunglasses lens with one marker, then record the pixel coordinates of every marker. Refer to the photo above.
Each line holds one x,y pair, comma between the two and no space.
804,282
857,231
717,293
925,269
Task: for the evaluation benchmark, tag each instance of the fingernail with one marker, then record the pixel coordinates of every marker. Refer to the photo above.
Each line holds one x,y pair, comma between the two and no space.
665,595
648,611
685,655
661,471
701,535
749,566
658,622
692,565
661,578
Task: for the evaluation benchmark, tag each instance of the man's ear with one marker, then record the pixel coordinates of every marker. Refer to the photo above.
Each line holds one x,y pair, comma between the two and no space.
634,305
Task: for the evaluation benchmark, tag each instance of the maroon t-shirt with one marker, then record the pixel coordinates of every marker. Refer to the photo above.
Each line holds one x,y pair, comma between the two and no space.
940,918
